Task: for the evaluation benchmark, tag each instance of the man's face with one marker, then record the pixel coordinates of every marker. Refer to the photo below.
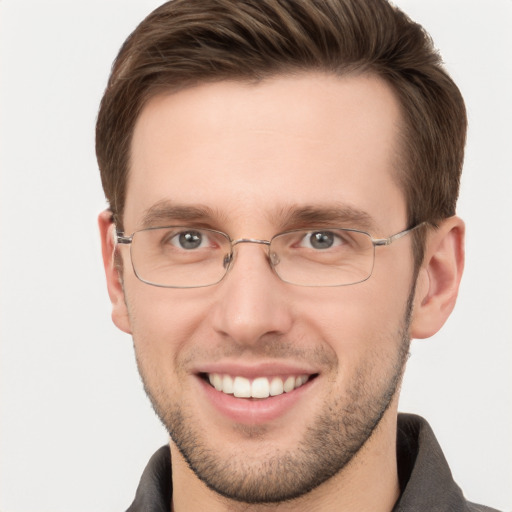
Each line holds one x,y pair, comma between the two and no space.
251,158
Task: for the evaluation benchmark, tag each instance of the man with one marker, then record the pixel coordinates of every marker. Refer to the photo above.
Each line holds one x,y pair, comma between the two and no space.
282,179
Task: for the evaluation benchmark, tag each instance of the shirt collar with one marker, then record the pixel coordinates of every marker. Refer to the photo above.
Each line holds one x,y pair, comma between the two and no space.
426,481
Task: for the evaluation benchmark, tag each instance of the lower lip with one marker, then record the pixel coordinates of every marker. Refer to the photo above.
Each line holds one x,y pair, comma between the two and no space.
253,411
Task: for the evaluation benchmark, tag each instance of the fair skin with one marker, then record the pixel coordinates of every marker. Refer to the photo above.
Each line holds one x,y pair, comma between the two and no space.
248,155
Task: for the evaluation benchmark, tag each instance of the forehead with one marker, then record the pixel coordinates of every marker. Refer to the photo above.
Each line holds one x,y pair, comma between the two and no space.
246,152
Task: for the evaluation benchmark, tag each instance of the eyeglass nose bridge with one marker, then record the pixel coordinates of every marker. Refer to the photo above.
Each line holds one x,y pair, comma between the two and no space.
228,259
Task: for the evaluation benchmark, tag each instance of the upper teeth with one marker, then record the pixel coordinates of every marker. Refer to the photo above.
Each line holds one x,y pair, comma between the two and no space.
261,387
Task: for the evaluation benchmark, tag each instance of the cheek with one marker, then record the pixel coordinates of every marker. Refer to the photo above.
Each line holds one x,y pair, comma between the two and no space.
360,323
163,320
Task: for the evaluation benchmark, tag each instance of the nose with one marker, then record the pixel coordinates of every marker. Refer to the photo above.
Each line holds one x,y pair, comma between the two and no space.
252,303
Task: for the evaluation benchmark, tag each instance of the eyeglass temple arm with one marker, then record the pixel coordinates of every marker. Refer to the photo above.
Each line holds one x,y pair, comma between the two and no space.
120,238
388,241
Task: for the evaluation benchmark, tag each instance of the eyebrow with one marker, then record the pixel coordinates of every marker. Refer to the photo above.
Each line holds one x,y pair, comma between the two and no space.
290,217
166,211
337,215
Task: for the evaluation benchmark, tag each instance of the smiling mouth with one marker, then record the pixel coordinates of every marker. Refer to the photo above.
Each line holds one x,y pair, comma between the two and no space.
260,387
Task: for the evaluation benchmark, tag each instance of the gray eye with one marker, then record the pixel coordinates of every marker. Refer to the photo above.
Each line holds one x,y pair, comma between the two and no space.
190,239
321,239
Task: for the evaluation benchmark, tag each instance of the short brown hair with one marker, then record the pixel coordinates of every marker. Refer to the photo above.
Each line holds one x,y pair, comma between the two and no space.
185,42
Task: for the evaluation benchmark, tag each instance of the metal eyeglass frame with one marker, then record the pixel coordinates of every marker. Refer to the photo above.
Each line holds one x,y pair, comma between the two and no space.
121,238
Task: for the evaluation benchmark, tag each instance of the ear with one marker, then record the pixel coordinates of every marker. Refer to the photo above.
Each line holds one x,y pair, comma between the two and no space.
120,315
439,277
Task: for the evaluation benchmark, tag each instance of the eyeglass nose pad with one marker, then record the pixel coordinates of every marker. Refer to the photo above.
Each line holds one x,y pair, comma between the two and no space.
227,260
274,259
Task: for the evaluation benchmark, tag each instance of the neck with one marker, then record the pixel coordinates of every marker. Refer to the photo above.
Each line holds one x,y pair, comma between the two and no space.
368,483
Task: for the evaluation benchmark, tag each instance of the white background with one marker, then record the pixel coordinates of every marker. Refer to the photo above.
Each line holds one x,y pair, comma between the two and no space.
76,429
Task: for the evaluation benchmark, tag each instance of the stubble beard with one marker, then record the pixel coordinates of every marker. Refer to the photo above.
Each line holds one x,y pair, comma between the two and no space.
327,446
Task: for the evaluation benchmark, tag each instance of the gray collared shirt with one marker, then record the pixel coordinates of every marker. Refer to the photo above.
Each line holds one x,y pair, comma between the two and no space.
426,481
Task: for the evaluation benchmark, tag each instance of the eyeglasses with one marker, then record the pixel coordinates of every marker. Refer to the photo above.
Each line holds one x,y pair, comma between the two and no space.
188,257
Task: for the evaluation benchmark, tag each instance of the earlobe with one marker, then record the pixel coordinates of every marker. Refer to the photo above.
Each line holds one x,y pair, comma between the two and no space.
439,277
120,315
